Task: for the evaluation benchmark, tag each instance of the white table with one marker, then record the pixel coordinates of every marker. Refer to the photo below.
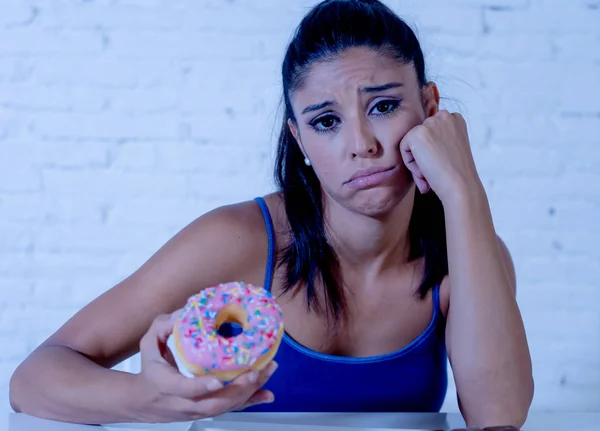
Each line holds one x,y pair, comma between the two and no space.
314,422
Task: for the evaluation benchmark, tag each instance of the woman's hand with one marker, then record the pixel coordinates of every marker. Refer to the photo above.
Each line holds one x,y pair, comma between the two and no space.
168,396
438,155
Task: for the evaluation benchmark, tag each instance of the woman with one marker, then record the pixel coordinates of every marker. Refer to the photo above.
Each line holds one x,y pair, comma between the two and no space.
379,246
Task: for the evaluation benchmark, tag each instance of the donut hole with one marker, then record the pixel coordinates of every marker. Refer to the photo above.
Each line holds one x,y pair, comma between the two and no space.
230,329
230,321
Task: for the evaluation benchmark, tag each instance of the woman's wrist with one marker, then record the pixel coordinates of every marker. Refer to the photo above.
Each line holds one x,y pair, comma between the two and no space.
140,402
465,196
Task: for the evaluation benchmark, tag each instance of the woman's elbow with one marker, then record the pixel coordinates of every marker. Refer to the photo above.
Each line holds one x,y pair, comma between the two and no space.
507,410
526,401
23,392
15,390
517,409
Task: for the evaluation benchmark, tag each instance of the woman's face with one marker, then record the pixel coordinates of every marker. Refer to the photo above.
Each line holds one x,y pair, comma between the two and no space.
352,113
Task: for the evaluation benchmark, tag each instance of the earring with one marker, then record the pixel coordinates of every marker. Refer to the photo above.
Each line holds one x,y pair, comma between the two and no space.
307,161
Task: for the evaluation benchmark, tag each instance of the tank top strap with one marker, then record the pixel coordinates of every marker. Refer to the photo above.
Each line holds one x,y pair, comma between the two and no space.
437,309
271,238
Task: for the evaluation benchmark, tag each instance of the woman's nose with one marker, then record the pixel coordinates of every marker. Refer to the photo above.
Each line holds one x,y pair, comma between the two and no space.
364,141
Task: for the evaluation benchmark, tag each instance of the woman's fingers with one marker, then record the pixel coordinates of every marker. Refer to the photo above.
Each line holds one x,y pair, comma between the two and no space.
169,381
157,334
158,364
238,394
413,167
244,386
421,184
260,397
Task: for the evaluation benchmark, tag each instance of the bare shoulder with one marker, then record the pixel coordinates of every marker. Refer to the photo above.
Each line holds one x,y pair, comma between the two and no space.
228,243
231,240
225,244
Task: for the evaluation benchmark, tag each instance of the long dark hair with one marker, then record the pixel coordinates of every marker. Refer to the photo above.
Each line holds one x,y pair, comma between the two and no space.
328,29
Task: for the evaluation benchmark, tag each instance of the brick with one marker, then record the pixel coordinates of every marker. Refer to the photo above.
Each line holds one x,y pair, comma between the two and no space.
191,157
217,128
18,15
183,44
218,87
19,179
269,21
110,241
435,18
30,98
112,185
537,268
577,48
88,15
105,127
105,71
13,127
577,99
516,47
168,212
54,265
520,160
49,41
35,209
494,4
549,17
15,238
133,157
155,100
16,70
63,154
15,349
54,294
574,185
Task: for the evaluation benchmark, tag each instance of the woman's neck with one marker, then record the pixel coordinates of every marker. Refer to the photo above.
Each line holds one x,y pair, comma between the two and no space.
368,244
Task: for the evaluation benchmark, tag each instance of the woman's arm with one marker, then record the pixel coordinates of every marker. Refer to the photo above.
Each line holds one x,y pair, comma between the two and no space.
486,340
56,382
68,378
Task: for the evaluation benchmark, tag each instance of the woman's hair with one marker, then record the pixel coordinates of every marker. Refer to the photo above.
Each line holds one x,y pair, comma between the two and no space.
326,31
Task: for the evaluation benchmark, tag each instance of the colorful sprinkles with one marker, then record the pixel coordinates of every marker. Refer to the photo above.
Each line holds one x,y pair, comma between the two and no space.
201,343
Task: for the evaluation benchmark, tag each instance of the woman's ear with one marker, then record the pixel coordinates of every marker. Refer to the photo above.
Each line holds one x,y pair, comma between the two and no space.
293,129
431,99
296,135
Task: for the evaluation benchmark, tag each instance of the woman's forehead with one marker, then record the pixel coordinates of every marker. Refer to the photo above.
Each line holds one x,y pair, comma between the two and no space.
353,70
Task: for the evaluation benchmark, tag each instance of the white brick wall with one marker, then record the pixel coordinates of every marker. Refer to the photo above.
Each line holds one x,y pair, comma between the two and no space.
122,121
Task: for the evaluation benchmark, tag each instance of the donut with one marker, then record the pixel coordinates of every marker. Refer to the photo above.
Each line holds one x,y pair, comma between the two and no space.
201,347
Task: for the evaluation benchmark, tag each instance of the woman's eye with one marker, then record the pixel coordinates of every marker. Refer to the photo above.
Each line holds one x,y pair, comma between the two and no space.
385,107
324,123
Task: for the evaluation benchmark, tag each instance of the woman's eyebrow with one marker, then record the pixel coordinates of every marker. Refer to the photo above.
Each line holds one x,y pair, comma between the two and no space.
379,88
375,89
316,107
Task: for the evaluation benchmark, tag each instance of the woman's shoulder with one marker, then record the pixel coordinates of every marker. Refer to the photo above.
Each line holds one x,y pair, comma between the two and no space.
235,226
242,221
229,242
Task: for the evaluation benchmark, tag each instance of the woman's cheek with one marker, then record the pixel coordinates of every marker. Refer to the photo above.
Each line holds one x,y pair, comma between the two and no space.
324,165
398,130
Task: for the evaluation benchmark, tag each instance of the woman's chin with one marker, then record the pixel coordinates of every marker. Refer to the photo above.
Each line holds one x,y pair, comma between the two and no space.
378,201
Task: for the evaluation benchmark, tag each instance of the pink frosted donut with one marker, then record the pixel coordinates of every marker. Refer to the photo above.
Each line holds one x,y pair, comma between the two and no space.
204,351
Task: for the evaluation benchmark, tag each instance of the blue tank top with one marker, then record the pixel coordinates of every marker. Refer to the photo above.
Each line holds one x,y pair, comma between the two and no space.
412,379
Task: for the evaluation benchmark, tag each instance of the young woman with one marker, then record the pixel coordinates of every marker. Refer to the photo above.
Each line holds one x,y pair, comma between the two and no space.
379,246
